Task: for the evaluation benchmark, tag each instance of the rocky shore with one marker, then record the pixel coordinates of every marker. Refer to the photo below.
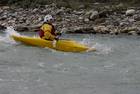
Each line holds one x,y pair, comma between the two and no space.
103,19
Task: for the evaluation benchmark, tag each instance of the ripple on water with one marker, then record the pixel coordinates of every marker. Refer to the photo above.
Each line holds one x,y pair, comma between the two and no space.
112,69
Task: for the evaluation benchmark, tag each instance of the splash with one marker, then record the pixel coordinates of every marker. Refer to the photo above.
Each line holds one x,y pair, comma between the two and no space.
88,42
8,33
102,48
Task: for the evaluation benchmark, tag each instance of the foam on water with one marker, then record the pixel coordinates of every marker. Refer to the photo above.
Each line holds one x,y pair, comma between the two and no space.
88,41
101,48
10,31
7,37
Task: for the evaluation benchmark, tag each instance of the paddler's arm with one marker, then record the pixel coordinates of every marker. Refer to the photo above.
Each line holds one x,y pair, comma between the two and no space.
48,35
47,32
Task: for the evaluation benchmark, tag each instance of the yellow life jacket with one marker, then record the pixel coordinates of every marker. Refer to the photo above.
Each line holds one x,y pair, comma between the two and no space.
47,31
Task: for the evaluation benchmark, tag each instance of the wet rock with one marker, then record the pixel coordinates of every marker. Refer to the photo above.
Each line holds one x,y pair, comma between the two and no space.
2,27
44,12
86,20
22,28
68,10
81,7
6,7
138,32
60,11
136,17
121,5
40,19
54,5
78,29
79,12
99,21
131,20
92,15
1,10
80,18
132,33
101,29
130,12
35,10
64,30
3,17
129,29
104,13
115,31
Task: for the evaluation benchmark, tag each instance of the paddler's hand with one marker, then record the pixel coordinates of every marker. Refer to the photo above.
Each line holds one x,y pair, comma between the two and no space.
56,38
59,33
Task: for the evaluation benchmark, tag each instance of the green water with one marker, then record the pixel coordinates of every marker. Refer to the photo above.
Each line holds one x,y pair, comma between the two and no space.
113,69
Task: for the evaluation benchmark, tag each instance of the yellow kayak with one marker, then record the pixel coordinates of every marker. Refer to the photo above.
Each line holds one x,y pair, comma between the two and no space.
61,45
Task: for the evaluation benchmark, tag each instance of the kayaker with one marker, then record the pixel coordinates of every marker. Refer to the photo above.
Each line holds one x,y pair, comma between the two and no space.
47,30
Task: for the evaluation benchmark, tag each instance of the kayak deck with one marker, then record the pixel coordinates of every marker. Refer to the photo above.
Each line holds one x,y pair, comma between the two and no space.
61,45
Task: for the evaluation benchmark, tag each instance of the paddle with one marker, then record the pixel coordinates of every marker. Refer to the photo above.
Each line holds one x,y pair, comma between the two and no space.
58,37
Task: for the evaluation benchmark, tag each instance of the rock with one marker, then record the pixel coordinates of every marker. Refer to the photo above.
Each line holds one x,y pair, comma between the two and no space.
14,15
60,11
3,17
53,5
81,18
114,31
22,28
129,29
44,12
68,10
132,33
78,29
64,30
40,19
130,12
11,21
89,13
35,10
1,10
121,5
138,32
81,7
104,13
6,7
99,21
86,20
79,12
46,6
131,20
2,27
101,29
122,24
94,15
136,17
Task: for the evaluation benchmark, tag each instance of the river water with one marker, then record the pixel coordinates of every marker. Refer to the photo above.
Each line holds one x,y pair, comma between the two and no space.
113,69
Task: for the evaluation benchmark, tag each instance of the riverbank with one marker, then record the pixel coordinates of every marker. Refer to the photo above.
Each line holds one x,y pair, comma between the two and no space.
101,18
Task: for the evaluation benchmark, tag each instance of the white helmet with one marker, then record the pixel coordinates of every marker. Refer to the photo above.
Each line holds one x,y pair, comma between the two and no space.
48,18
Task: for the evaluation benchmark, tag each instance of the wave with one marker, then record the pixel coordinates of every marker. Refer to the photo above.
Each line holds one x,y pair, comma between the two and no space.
7,37
100,48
